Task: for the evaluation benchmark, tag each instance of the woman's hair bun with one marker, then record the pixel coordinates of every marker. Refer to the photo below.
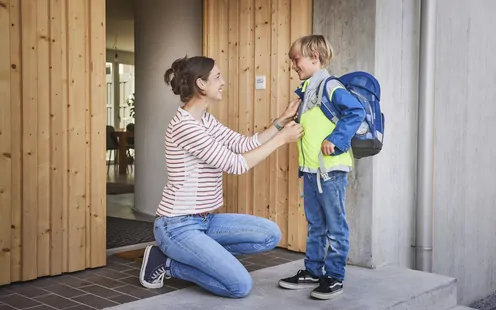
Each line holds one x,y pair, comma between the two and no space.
184,72
174,76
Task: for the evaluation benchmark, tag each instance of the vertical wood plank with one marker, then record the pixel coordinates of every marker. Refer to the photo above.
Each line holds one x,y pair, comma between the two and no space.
206,27
280,97
261,108
5,146
233,95
87,132
305,11
212,31
246,77
77,134
29,140
222,55
274,84
43,86
65,131
300,25
223,63
293,192
58,147
16,139
98,213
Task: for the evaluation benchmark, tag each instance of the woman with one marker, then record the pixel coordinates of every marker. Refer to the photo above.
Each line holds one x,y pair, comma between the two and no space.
194,244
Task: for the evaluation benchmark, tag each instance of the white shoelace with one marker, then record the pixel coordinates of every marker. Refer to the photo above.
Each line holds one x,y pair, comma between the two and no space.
160,274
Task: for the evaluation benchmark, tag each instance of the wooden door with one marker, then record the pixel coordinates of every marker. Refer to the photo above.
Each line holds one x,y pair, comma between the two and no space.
250,38
52,137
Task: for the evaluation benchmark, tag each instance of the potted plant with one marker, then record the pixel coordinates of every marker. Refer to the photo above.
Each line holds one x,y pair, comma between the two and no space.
130,102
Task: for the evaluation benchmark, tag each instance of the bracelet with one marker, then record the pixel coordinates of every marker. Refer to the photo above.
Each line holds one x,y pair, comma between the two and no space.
279,127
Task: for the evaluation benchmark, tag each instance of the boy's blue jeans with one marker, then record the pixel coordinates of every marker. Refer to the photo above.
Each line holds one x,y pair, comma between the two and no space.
326,216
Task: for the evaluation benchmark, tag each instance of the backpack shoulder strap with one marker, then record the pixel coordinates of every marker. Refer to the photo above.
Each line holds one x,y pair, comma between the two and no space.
320,93
322,88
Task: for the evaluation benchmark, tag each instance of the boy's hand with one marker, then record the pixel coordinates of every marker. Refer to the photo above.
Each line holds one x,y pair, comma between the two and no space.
327,148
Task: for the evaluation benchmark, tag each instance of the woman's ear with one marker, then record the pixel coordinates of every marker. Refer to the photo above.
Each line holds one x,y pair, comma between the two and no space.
200,83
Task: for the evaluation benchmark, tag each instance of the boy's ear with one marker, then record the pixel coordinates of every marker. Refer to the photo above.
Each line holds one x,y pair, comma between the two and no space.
315,56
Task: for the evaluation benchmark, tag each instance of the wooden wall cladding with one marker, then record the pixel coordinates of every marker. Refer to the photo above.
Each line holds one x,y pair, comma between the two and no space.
250,38
52,137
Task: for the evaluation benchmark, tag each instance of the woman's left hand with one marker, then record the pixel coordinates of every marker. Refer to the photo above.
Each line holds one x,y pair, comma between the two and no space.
290,112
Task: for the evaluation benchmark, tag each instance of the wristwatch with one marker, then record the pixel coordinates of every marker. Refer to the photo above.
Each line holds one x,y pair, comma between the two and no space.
279,127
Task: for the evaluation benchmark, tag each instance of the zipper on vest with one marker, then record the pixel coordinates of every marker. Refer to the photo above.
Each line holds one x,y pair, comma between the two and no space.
302,152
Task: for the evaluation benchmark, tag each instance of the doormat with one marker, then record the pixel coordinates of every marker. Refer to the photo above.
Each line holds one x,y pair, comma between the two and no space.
124,232
119,188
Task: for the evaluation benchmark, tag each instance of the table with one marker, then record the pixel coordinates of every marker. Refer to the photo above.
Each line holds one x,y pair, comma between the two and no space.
122,136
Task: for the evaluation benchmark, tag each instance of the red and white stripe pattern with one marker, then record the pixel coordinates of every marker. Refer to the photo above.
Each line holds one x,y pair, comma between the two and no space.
196,154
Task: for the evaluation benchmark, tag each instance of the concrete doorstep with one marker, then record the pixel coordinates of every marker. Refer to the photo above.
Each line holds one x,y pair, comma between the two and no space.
383,288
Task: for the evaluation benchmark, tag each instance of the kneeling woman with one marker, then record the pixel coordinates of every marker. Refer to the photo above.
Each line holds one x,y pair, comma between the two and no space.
194,244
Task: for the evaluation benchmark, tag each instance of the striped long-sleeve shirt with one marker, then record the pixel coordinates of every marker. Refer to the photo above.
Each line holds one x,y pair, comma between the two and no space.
196,154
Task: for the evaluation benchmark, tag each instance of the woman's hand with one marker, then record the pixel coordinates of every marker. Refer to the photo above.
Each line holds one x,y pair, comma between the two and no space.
290,112
292,132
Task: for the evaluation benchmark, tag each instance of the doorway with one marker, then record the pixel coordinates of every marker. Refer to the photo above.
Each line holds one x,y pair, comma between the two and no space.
142,40
127,228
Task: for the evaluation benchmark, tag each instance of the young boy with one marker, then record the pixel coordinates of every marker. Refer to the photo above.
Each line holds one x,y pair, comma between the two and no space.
324,161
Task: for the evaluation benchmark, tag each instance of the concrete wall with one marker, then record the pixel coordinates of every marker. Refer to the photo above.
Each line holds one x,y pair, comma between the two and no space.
350,28
464,160
165,30
381,201
395,170
383,37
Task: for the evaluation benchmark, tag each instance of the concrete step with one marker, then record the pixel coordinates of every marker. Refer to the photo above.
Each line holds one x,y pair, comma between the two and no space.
384,288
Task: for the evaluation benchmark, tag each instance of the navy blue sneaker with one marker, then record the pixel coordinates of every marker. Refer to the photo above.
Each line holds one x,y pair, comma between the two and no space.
153,269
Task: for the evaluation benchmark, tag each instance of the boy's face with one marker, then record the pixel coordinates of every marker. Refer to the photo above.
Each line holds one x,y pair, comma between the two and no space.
304,66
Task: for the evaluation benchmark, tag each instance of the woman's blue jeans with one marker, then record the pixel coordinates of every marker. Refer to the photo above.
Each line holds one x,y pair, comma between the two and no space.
201,248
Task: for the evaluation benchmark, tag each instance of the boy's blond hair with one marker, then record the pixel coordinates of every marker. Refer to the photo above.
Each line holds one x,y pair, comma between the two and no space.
308,45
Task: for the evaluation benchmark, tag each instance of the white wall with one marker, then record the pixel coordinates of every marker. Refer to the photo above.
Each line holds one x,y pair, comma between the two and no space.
465,154
464,214
165,30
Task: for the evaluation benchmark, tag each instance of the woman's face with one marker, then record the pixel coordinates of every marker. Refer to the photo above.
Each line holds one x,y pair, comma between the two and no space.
214,84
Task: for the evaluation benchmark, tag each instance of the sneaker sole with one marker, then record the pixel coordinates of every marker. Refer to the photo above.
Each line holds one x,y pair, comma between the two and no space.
324,296
143,268
292,286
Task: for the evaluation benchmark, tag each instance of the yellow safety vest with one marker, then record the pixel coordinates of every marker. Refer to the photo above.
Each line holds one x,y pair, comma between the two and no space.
317,127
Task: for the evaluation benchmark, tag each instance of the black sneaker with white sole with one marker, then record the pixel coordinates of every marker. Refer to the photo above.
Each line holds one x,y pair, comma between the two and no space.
327,289
154,268
302,279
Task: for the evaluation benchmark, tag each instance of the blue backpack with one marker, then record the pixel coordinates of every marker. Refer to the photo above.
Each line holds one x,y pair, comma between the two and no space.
368,139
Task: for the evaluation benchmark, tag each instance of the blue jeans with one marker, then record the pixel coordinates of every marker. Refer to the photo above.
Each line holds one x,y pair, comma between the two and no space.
326,216
201,248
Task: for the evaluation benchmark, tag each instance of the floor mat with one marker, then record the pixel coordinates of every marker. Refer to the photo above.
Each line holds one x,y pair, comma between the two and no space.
124,232
119,188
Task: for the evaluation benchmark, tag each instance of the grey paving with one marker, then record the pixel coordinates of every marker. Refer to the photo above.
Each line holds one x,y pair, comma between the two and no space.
384,288
487,303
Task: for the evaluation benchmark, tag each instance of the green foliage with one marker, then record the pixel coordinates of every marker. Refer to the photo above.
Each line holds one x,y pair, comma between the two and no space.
130,102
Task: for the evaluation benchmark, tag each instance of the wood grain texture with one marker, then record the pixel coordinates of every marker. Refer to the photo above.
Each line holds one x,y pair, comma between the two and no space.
259,34
52,147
